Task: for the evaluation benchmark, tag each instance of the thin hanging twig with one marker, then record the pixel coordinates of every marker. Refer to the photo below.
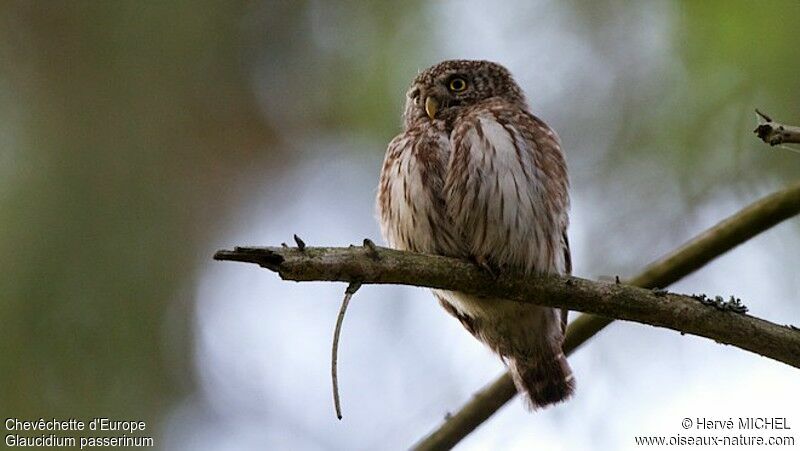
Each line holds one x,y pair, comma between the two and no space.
348,294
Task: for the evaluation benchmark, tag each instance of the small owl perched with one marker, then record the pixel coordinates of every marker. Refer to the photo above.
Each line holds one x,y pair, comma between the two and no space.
476,175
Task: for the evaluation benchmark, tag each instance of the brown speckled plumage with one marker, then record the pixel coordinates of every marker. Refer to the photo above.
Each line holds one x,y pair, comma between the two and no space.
476,175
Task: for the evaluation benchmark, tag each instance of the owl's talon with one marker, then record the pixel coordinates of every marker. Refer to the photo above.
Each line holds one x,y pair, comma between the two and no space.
372,249
486,266
301,245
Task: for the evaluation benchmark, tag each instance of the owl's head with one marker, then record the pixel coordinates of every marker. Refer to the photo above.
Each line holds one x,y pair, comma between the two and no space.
442,91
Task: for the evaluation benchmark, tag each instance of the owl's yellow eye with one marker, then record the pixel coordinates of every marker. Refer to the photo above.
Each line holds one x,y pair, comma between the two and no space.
458,84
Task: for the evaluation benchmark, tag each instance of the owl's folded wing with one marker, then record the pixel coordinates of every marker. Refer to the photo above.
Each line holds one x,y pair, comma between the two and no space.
506,188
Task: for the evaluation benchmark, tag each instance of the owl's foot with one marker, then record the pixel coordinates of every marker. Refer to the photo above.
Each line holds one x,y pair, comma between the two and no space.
486,266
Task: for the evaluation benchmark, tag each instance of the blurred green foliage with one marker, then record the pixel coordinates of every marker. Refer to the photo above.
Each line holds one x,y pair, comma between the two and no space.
731,57
128,119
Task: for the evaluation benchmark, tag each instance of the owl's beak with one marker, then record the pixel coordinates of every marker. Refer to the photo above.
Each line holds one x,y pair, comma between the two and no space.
431,106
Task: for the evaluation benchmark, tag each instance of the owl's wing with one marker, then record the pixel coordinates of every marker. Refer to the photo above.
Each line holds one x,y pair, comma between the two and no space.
506,188
410,205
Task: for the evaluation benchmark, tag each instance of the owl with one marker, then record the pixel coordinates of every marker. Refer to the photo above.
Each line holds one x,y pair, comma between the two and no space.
475,175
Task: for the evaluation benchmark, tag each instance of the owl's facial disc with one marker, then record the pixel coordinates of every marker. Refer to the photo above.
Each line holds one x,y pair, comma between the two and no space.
443,91
440,96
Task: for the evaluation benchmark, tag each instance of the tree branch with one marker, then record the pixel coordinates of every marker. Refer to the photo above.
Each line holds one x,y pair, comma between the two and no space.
775,133
658,308
738,228
371,265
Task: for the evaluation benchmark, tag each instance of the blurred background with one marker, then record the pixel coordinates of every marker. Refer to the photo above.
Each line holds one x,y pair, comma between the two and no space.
136,138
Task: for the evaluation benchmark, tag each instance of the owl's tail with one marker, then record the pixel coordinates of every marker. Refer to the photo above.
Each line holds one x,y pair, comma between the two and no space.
543,380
